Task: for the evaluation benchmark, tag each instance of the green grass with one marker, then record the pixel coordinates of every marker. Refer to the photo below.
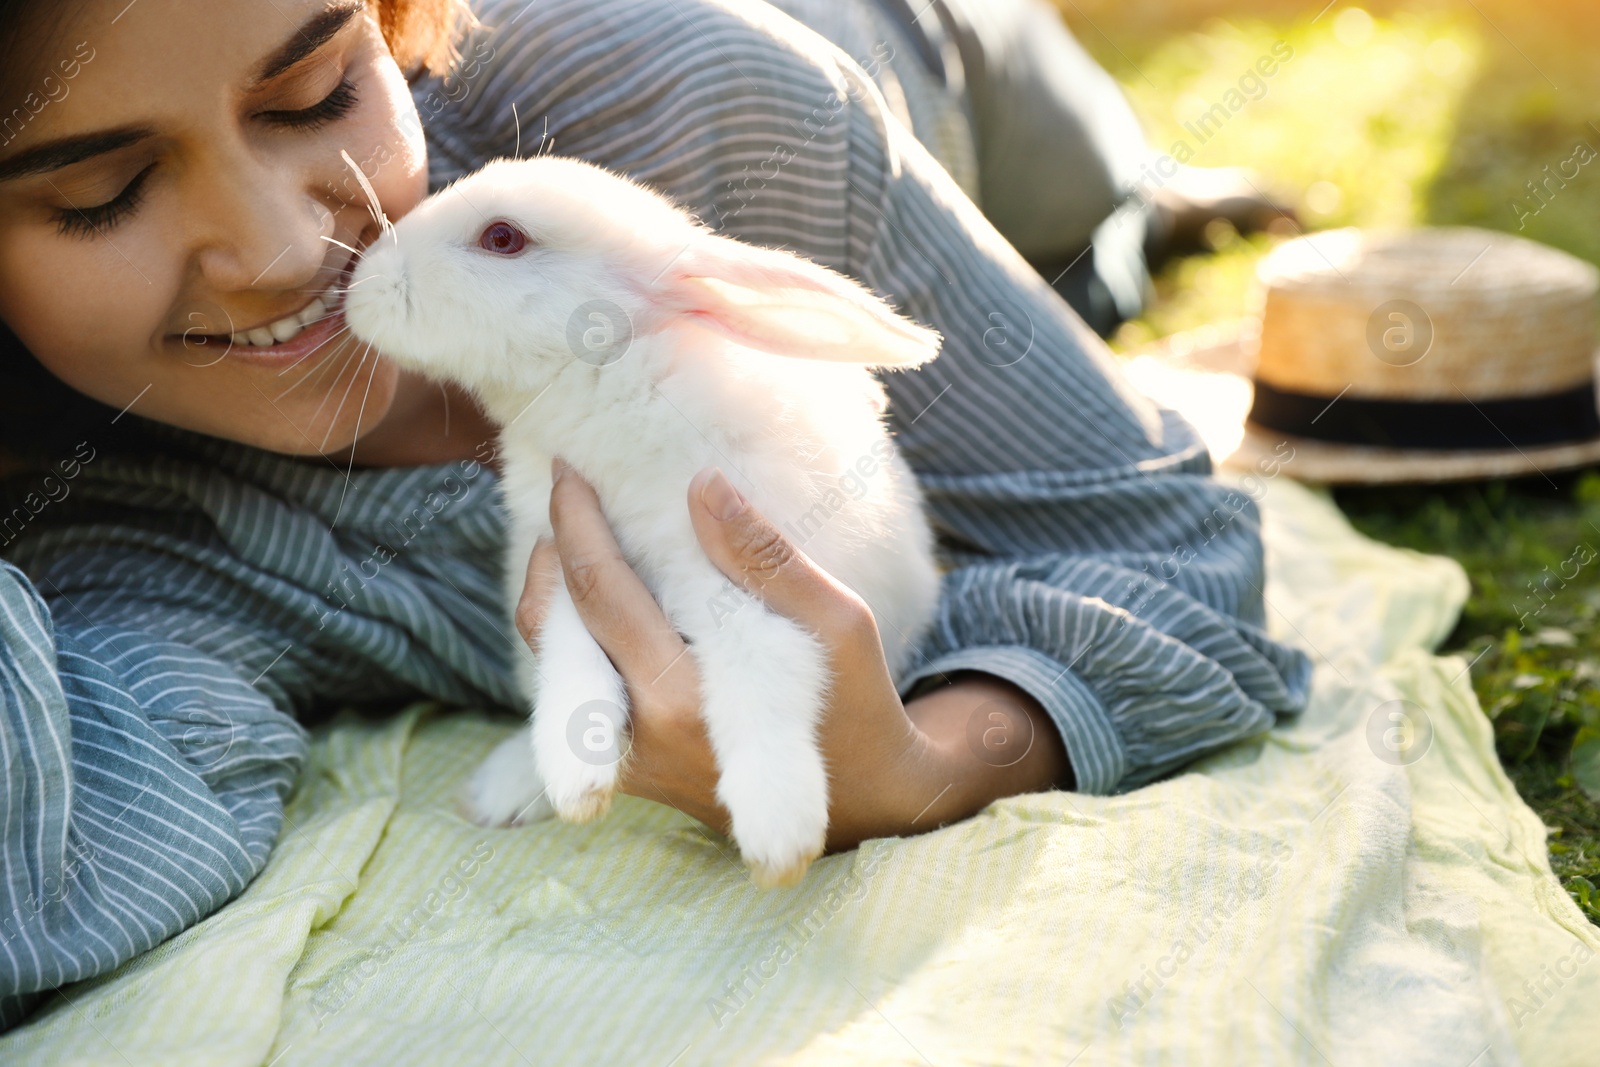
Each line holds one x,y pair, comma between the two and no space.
1532,625
1417,112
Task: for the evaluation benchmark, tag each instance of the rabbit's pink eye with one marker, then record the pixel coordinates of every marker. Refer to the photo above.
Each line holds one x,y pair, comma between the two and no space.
504,238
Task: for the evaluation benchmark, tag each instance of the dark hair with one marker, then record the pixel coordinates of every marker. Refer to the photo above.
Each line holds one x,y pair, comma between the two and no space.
42,417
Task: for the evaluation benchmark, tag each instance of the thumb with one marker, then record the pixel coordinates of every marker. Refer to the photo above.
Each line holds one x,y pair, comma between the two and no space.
747,547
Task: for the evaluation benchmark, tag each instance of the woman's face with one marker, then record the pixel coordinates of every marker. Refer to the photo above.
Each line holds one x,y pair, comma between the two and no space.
167,181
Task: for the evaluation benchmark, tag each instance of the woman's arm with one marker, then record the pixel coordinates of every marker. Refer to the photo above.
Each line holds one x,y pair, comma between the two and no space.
989,739
162,619
142,785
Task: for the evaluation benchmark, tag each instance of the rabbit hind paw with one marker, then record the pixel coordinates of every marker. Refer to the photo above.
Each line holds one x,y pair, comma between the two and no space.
779,874
505,789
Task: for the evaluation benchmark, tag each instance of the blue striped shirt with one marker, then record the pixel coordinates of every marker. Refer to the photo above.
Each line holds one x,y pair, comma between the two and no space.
167,619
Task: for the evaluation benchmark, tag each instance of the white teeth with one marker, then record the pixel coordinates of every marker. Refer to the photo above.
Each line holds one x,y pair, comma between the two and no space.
285,328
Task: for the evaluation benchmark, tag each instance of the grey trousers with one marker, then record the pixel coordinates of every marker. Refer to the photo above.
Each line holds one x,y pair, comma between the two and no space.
1057,147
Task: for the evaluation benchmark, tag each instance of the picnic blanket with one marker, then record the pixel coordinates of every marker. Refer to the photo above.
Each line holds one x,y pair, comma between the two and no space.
1362,885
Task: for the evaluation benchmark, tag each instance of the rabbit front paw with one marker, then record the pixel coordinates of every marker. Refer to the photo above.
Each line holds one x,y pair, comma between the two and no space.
764,683
580,737
780,815
579,721
505,790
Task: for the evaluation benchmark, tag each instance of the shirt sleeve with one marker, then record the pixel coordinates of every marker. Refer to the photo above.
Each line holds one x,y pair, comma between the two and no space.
142,785
166,614
1095,562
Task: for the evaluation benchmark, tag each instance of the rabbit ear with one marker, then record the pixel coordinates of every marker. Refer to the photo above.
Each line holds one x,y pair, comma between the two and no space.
780,303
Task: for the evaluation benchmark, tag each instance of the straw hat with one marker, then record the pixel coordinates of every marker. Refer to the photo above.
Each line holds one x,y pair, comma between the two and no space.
1419,355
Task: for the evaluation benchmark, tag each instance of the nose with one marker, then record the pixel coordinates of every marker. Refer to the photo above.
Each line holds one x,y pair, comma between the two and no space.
262,229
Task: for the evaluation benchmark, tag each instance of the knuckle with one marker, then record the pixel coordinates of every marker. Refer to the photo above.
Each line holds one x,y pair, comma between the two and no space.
855,624
584,579
527,617
766,552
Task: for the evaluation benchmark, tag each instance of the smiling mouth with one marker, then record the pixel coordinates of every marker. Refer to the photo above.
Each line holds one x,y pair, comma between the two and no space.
284,329
281,331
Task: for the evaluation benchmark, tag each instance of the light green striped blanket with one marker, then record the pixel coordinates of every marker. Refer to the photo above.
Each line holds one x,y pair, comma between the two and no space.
1305,898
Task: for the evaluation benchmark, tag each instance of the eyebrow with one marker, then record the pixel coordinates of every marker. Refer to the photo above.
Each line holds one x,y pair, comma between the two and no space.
317,31
66,151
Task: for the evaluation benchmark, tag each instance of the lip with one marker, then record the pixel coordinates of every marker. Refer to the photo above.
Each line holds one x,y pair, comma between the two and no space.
313,338
301,344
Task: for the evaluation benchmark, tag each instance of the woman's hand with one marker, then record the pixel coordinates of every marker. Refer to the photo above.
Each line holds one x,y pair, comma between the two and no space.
893,769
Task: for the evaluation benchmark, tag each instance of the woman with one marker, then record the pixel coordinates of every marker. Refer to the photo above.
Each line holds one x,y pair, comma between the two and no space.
210,539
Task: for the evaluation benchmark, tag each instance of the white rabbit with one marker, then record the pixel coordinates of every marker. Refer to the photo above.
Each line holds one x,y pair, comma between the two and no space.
595,319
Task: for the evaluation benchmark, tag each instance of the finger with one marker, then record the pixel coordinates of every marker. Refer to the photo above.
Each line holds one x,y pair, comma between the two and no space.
544,570
748,548
614,603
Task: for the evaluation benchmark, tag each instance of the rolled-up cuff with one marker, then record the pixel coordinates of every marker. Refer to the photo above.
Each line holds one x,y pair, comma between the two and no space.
1099,760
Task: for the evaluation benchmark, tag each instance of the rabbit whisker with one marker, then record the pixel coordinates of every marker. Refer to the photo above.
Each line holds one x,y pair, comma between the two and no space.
373,207
316,415
312,421
333,337
324,317
341,244
355,437
384,225
334,420
309,371
316,376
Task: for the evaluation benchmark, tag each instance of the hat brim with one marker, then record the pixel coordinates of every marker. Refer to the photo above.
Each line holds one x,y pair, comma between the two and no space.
1205,376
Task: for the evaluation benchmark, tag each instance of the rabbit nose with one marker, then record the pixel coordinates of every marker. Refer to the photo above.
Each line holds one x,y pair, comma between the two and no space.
378,297
381,270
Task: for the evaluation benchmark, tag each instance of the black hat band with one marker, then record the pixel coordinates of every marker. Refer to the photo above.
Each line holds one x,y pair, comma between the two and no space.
1565,417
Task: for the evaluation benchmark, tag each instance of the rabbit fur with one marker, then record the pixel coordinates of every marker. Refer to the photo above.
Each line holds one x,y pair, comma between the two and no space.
641,346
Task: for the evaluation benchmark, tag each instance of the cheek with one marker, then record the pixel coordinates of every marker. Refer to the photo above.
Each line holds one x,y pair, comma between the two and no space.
96,337
396,160
91,332
383,138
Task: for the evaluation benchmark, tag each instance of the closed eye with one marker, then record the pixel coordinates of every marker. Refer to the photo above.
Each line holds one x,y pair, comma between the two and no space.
88,221
337,104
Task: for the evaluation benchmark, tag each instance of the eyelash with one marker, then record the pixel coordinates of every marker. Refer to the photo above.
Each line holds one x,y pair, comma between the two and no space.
336,105
87,221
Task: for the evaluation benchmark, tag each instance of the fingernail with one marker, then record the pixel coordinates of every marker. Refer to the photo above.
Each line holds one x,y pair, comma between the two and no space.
721,498
558,467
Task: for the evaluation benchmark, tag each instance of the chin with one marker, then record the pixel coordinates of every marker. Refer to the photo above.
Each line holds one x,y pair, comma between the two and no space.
327,422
